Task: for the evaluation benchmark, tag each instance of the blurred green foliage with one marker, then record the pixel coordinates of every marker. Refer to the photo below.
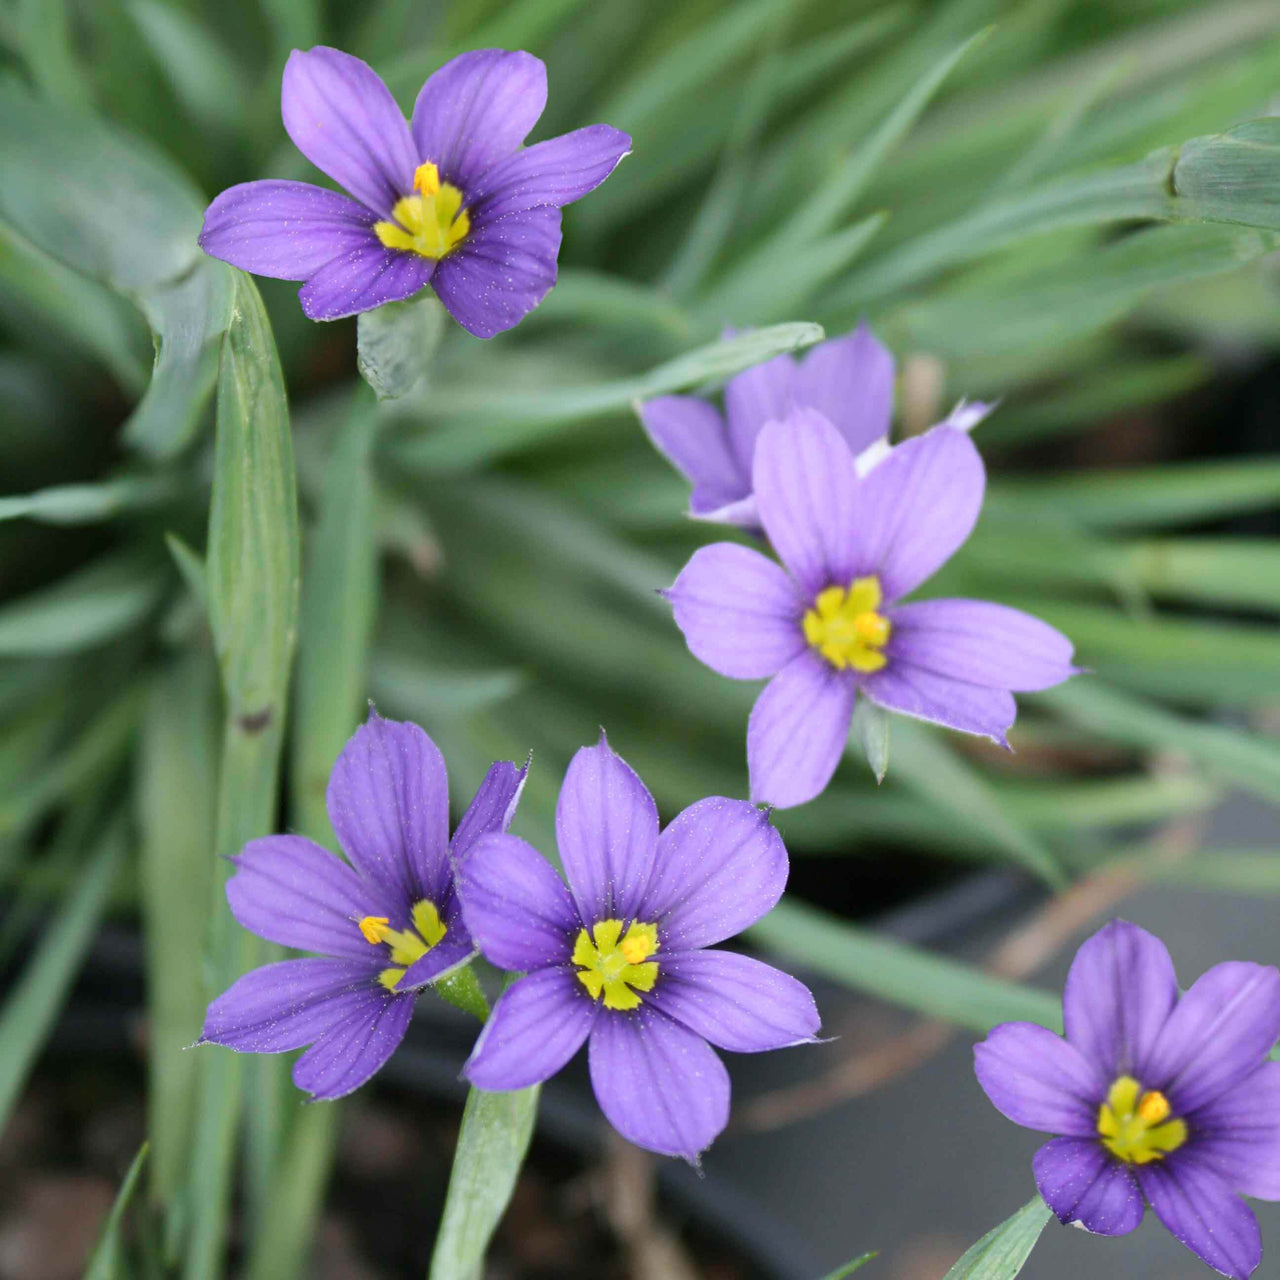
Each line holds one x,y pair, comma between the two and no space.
1067,204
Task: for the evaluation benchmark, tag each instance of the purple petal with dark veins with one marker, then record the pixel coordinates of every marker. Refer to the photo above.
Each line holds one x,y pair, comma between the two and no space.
454,950
849,381
798,730
353,1050
807,490
388,801
924,695
1203,1213
1119,994
289,890
285,1005
915,509
606,832
516,907
693,437
492,807
720,866
549,174
1238,1134
1218,1033
735,1002
362,280
739,612
537,1025
1084,1184
476,110
753,397
658,1083
500,272
980,643
344,120
286,230
1038,1080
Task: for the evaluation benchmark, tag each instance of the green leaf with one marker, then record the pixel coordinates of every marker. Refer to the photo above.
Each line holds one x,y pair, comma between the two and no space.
1001,1253
35,999
84,609
496,1128
73,504
929,767
871,732
176,793
850,1267
191,567
253,556
107,1260
396,342
869,961
482,423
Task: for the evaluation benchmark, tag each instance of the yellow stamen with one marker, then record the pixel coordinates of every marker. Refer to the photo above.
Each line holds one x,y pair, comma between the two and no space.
406,945
432,223
614,966
845,627
1132,1125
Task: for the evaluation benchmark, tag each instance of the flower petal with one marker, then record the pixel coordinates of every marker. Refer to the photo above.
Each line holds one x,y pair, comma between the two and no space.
500,272
476,110
798,730
549,174
980,643
735,1002
363,280
289,890
287,230
388,801
515,906
692,436
454,950
849,381
492,807
916,507
968,413
658,1083
1238,1133
607,834
1039,1080
344,120
537,1025
807,489
357,1047
1202,1212
1119,994
1219,1033
753,397
739,611
924,695
288,1004
1082,1184
720,867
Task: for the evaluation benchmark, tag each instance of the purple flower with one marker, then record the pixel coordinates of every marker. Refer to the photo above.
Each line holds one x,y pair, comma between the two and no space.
1161,1098
848,380
385,926
830,623
617,956
450,199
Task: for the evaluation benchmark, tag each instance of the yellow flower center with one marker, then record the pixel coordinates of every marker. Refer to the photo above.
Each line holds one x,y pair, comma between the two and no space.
845,628
432,223
1135,1126
407,945
614,966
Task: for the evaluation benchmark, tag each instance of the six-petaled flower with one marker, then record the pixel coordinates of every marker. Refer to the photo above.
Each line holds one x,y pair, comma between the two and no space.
386,925
619,957
450,199
848,380
1159,1098
829,623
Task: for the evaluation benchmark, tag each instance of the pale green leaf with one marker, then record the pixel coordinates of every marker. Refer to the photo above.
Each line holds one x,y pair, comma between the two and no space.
107,1260
1001,1253
396,342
